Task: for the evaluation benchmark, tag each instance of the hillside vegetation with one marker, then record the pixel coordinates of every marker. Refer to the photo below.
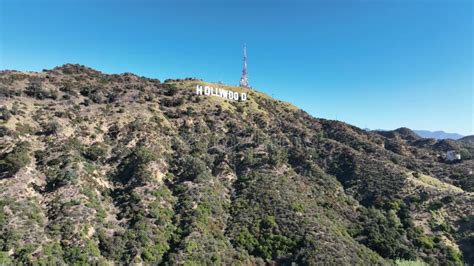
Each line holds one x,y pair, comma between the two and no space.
98,168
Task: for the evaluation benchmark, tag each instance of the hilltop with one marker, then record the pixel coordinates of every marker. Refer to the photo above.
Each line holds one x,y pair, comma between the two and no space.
99,168
467,140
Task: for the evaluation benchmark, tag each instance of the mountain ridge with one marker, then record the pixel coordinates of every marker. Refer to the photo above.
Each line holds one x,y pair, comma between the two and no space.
438,134
120,168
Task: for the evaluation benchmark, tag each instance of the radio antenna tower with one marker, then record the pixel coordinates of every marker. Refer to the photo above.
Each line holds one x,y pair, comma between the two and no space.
244,82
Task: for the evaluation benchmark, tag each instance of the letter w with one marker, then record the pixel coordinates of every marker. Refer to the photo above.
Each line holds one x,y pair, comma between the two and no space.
224,93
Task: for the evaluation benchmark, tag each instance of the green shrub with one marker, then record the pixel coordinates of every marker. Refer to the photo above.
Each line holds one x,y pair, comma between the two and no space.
381,234
24,255
135,168
425,242
455,256
61,177
52,127
35,89
4,131
5,114
465,154
15,108
96,152
6,92
24,129
170,90
276,155
436,205
18,158
4,258
192,167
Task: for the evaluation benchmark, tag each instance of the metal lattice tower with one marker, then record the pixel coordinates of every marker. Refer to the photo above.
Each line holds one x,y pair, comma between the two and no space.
244,82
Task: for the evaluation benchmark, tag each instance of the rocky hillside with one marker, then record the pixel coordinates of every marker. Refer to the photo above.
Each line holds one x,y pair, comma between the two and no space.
98,168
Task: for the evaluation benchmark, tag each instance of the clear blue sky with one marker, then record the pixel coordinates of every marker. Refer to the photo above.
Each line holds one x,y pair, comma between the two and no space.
376,64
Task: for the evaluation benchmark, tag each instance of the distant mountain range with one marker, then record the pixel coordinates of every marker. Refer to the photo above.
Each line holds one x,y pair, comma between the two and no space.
437,134
430,134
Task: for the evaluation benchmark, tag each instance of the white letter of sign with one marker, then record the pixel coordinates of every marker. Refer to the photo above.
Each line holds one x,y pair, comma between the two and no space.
224,93
207,90
198,90
243,96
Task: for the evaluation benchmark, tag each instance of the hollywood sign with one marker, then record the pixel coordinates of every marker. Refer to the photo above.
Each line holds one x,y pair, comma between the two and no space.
218,92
